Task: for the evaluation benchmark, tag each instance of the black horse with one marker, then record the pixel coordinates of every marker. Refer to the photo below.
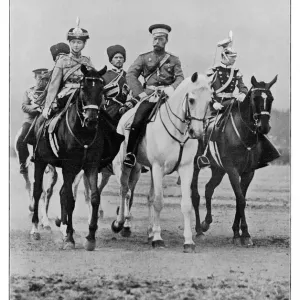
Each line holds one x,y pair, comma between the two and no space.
237,147
79,138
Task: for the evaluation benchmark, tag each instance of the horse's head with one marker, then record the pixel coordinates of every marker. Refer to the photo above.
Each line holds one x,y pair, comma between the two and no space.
91,95
194,104
261,100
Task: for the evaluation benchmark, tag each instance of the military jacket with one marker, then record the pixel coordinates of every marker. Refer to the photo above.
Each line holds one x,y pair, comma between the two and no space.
30,97
118,89
219,76
63,64
169,74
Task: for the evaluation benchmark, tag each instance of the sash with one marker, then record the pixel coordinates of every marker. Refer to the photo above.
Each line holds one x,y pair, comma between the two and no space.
161,63
71,71
222,88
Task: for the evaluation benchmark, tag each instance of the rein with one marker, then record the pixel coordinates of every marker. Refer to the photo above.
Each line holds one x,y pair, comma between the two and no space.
187,120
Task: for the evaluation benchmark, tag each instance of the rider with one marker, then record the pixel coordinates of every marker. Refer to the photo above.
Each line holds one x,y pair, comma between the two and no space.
66,74
31,110
224,79
162,72
116,89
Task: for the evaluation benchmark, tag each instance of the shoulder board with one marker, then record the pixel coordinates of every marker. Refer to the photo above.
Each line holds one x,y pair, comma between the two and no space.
62,56
172,54
86,57
146,53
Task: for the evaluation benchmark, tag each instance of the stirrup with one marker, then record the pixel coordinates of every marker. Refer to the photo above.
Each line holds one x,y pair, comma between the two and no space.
202,161
130,160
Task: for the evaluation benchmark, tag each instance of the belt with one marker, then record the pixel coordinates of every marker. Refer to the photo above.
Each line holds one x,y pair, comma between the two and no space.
225,95
154,88
72,85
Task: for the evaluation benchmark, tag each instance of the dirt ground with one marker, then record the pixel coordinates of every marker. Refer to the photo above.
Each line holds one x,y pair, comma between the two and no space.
128,268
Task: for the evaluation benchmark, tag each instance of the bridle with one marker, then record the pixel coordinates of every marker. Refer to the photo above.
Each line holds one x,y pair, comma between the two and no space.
187,119
84,116
264,112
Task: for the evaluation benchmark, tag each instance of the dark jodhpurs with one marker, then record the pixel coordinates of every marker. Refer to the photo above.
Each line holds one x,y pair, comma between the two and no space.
139,125
21,146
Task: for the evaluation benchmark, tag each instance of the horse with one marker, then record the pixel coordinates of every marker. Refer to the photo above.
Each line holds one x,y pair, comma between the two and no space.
169,144
235,148
48,185
79,140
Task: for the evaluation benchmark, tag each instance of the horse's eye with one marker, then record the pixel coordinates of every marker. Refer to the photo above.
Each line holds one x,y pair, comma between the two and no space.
192,101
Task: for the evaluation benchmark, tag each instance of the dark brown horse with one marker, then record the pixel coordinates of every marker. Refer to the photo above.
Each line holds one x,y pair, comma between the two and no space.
79,139
236,147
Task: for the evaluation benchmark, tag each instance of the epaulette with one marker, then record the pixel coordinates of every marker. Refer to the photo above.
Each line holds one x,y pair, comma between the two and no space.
172,55
238,74
146,53
210,71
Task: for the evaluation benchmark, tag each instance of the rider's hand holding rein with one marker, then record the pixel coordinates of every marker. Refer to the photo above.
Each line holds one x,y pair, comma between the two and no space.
169,90
45,112
217,106
241,97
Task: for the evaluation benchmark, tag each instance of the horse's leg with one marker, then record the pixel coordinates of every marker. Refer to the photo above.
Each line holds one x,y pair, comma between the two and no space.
87,197
92,176
67,206
118,224
186,175
76,184
133,179
196,200
104,180
37,192
52,179
246,179
217,175
240,203
158,205
150,210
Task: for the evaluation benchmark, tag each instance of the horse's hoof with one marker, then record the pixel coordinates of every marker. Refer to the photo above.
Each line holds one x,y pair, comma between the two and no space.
246,241
204,226
200,236
30,207
89,245
68,246
47,228
36,236
57,222
116,229
237,241
189,248
150,239
101,214
126,232
158,244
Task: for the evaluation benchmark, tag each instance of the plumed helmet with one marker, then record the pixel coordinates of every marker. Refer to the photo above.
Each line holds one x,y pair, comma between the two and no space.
113,50
60,48
77,33
226,44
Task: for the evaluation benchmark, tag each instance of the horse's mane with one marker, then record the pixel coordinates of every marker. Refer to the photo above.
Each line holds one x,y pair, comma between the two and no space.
187,86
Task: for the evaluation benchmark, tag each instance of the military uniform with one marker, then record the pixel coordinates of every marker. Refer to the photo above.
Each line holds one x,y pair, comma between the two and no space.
219,76
30,107
161,70
60,88
169,74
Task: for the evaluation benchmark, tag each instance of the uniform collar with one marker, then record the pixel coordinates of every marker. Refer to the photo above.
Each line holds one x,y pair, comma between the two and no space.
226,67
116,70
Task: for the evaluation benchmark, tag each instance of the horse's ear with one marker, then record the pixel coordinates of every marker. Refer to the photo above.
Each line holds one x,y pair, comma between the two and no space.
84,70
194,77
269,85
102,71
253,81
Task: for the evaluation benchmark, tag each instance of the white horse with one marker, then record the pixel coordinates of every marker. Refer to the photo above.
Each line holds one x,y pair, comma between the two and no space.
50,180
170,144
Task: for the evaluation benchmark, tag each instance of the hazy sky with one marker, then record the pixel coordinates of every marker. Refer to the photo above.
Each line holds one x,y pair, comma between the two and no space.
261,31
